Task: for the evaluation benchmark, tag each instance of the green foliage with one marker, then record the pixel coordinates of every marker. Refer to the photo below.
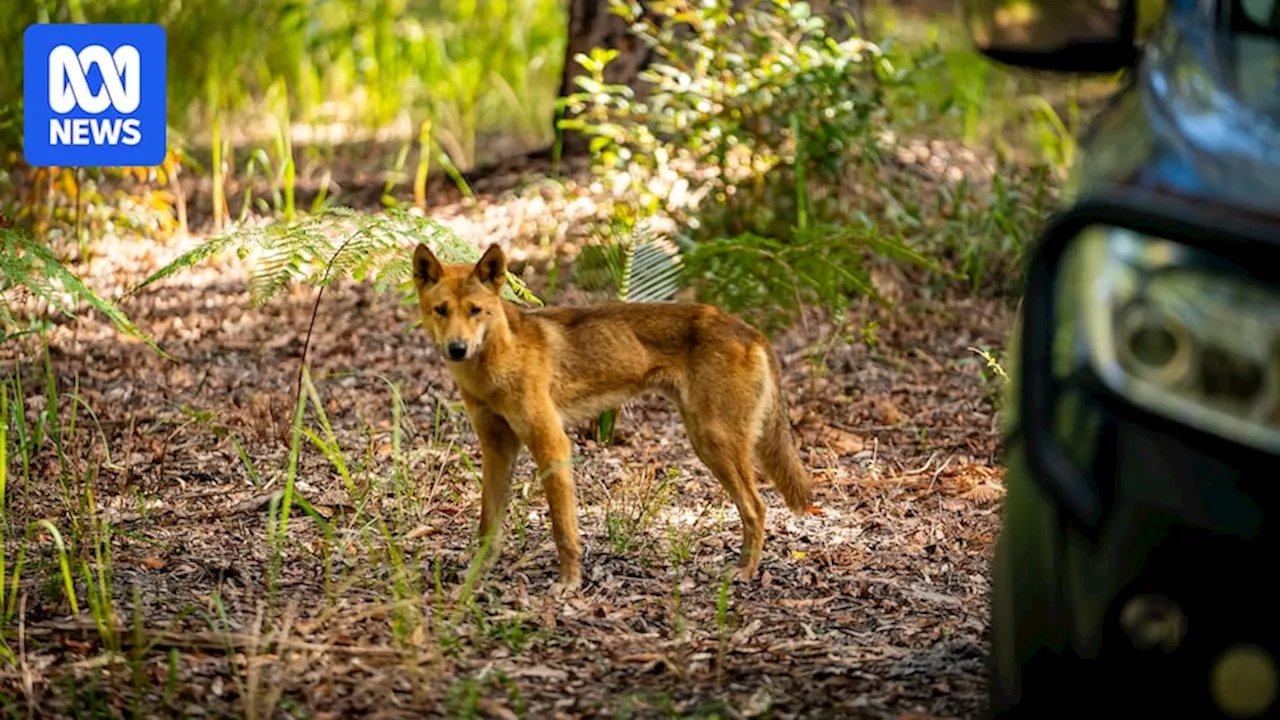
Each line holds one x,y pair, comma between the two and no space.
87,203
29,267
995,379
633,265
758,276
957,93
987,232
331,244
766,123
765,105
634,505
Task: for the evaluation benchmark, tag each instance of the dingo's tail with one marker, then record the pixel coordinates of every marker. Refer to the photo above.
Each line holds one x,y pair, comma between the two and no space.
778,455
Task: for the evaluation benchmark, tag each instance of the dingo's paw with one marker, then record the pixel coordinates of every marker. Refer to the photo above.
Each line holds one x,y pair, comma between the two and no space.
566,587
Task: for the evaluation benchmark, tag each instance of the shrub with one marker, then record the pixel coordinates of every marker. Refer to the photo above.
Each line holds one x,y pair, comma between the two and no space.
755,129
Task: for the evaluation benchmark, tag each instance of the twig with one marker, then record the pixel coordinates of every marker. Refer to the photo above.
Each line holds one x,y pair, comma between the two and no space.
79,215
180,198
938,472
250,504
926,465
315,311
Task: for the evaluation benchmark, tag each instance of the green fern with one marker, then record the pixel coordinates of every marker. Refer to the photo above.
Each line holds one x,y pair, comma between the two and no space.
28,264
644,269
640,267
649,271
375,247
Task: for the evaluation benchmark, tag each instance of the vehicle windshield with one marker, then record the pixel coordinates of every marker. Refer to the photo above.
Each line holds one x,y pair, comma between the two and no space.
1264,15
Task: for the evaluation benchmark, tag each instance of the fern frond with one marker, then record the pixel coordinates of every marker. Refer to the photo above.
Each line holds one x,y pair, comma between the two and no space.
375,247
645,268
653,272
397,274
27,263
191,258
405,231
288,254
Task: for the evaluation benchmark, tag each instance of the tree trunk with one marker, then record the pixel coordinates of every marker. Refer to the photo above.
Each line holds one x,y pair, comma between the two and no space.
591,25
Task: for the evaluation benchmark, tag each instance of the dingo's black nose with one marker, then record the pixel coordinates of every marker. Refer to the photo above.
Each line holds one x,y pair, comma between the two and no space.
457,349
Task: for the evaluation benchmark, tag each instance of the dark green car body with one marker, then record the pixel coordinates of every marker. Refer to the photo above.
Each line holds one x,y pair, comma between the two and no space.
1145,610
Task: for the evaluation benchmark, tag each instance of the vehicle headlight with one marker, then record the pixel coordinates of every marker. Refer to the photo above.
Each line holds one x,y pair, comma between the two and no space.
1179,333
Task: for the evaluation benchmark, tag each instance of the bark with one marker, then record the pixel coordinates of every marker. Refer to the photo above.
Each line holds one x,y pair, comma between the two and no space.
591,25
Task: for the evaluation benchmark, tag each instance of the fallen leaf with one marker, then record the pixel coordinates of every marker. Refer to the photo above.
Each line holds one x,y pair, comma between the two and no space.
746,633
841,441
887,283
419,636
806,602
889,413
984,494
421,531
542,672
758,704
76,645
495,709
153,563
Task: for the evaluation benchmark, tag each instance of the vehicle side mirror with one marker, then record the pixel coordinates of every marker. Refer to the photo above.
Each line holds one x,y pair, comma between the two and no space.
1082,36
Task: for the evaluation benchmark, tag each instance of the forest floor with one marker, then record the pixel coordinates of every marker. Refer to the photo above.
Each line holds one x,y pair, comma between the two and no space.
872,606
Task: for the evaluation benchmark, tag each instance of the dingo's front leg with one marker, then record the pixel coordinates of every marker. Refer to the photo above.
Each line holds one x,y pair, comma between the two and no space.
499,449
552,452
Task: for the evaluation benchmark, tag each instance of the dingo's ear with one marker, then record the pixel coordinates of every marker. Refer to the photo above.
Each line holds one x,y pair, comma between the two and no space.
491,270
427,270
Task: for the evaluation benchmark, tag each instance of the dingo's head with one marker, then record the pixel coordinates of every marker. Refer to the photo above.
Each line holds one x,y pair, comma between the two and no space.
461,304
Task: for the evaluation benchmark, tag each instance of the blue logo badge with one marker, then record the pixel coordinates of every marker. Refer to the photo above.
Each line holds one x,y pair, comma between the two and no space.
94,95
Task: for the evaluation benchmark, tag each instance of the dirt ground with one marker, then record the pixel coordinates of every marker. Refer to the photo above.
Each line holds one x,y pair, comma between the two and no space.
873,606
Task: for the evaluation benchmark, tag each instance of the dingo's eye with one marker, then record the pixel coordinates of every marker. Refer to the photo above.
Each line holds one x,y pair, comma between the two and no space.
474,311
442,310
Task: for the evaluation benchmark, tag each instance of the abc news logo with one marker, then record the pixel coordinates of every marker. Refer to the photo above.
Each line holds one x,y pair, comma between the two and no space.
69,89
94,95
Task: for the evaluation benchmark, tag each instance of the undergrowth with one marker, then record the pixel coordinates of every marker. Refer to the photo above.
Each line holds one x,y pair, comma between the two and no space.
32,274
333,244
770,143
318,250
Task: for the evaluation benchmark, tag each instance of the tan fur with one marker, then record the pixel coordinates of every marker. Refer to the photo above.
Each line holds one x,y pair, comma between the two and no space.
526,374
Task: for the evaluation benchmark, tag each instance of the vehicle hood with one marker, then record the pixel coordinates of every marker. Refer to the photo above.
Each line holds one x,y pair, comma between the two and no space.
1210,130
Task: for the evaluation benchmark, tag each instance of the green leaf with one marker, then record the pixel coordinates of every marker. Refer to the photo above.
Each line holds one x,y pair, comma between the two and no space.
28,263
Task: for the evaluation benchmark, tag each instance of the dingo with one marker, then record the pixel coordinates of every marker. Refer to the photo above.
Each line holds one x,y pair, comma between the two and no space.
525,374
